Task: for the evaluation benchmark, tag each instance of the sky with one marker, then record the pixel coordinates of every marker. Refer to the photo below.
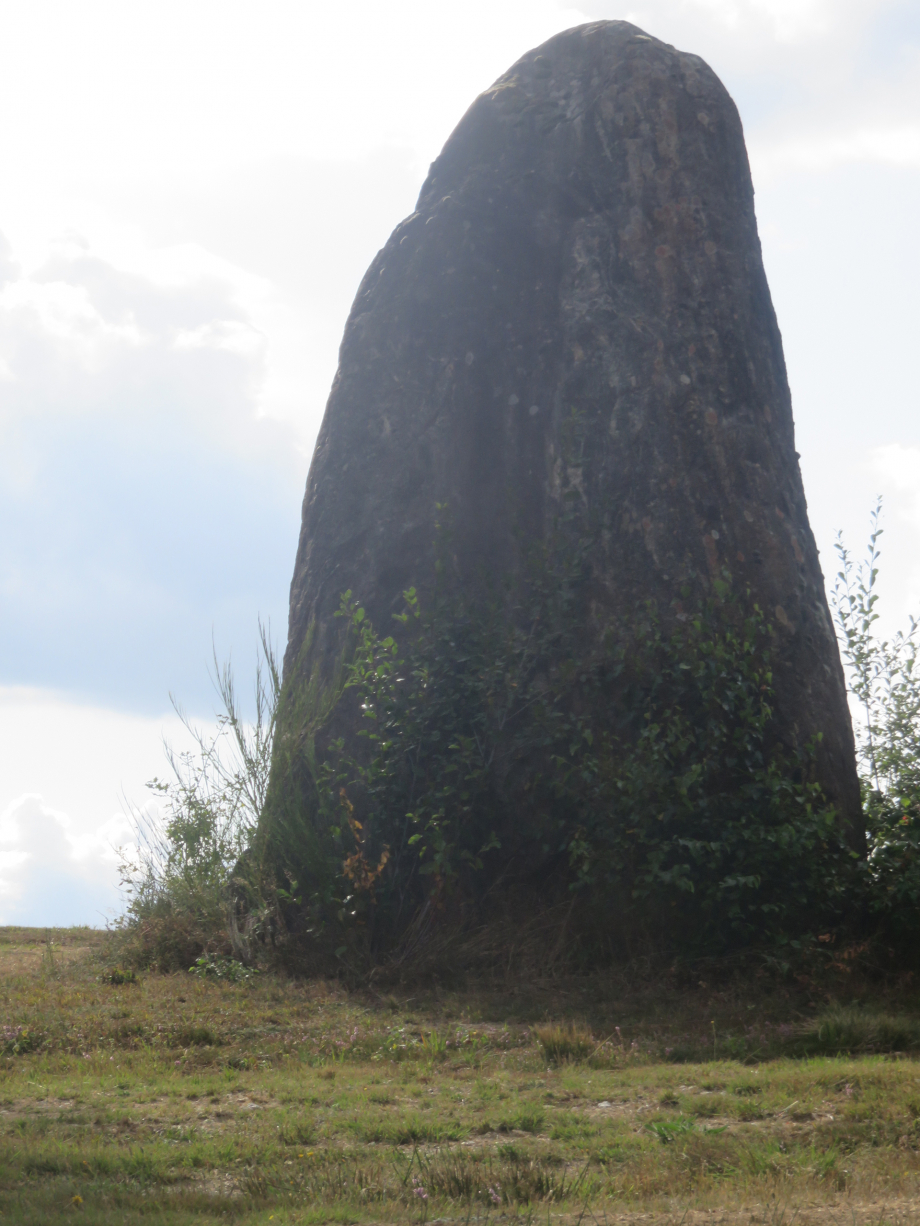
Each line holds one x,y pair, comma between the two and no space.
191,192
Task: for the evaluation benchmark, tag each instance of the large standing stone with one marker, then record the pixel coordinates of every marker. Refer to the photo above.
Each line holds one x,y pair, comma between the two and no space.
577,311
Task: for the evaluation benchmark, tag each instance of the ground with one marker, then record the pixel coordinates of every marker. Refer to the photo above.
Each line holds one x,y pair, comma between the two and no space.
182,1099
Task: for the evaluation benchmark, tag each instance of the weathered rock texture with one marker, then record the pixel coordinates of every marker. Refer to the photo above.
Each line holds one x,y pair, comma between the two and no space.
577,311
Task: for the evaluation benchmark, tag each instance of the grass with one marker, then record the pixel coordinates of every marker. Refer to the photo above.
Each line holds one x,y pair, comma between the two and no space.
184,1099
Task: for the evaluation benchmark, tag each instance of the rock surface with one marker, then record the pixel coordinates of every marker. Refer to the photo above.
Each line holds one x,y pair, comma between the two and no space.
577,314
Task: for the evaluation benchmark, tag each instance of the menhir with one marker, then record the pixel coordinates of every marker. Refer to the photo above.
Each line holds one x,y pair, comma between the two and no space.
576,320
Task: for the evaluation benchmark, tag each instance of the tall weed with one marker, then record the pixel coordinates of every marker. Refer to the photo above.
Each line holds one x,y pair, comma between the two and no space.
192,866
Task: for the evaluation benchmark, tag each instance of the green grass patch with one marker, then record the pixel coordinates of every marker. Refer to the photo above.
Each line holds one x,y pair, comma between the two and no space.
194,1098
843,1031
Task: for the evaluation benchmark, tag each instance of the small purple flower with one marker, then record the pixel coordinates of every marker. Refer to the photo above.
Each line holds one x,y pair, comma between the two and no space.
418,1188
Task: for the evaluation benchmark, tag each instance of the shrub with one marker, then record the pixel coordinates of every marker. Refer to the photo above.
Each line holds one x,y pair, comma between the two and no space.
166,927
646,778
18,1040
117,976
214,966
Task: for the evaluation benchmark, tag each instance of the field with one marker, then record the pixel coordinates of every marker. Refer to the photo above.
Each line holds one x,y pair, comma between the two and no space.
194,1100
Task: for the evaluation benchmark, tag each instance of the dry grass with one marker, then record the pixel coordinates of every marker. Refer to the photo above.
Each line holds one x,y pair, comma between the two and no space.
570,1043
179,1100
25,950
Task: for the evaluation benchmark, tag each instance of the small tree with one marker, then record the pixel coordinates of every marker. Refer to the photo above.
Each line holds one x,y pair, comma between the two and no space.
883,675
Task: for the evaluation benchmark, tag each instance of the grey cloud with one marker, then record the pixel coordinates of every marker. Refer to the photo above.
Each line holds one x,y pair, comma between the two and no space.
120,296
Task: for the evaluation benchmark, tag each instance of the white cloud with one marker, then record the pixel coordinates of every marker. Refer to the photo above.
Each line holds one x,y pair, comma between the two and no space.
896,146
71,772
789,19
795,19
117,94
64,314
78,308
896,472
899,468
52,876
